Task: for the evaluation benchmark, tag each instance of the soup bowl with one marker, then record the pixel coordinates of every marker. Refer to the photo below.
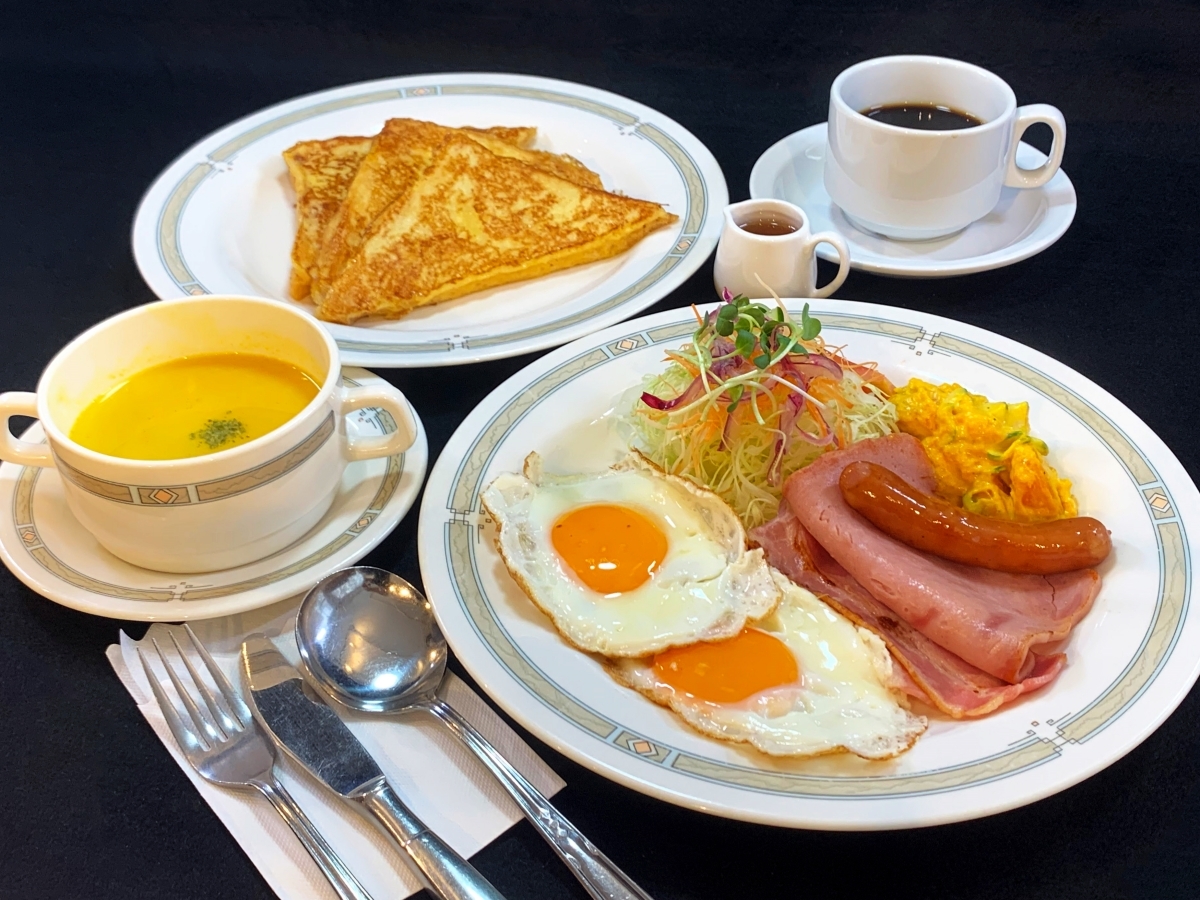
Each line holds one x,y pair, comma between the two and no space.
223,509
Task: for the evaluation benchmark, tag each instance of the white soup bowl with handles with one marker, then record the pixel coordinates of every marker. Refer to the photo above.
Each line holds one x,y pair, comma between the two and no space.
225,509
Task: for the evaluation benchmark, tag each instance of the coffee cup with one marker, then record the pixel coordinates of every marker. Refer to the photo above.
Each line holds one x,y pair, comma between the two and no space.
226,508
769,242
910,183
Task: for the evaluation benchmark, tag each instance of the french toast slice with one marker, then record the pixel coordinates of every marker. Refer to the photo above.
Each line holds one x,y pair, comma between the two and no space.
475,220
402,150
560,164
522,136
321,172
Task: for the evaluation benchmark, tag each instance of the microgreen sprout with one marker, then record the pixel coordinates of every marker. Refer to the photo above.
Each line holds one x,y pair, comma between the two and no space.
763,336
754,395
742,331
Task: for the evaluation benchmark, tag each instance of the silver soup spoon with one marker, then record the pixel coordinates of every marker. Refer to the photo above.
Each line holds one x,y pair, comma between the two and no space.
370,639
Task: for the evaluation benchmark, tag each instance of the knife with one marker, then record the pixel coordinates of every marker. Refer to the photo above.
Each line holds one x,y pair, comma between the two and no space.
294,713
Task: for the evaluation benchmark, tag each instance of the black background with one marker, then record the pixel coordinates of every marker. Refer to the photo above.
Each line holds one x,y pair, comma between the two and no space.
96,99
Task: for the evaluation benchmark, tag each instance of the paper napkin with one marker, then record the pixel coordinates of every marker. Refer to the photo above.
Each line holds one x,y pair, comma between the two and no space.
440,780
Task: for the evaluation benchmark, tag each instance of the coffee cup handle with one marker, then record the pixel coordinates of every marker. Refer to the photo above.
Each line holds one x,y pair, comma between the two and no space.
390,400
15,450
835,240
1031,115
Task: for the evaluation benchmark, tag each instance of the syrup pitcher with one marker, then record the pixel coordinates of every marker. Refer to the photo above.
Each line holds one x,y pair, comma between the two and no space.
770,240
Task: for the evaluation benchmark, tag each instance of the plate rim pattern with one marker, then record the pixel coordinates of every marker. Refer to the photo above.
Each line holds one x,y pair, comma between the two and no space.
461,528
698,229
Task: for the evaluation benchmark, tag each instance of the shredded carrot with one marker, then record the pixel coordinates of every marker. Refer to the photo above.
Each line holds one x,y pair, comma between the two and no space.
687,364
727,435
827,390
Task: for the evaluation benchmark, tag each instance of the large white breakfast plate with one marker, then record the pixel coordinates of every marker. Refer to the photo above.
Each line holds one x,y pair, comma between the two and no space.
1024,222
43,544
220,220
1131,660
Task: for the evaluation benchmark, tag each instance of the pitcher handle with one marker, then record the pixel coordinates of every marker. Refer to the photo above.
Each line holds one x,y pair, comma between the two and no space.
834,240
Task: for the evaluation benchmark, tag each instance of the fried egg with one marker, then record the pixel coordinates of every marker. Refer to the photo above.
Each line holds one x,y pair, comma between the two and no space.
629,561
802,682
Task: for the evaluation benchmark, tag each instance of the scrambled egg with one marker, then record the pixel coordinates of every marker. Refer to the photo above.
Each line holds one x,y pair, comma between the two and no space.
983,455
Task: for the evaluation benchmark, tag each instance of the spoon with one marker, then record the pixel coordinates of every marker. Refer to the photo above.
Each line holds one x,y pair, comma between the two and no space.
369,638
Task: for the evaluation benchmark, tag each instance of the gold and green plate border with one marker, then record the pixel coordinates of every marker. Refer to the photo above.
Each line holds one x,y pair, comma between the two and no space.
1171,603
690,246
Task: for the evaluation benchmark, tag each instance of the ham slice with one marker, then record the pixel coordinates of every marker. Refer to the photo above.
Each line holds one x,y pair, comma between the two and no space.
935,675
996,621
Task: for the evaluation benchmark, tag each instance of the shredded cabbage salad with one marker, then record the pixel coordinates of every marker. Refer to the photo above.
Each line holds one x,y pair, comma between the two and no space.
752,398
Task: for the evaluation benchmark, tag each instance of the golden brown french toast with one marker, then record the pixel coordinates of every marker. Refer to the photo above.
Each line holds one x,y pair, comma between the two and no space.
401,151
475,220
321,172
560,164
521,136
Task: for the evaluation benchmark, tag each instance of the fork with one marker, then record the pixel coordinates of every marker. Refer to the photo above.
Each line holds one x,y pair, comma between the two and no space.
226,746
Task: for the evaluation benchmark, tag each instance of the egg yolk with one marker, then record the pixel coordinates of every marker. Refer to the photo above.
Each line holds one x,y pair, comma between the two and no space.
728,671
612,549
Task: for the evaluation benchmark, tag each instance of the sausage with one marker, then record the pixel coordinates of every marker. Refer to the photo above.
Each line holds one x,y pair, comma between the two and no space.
933,525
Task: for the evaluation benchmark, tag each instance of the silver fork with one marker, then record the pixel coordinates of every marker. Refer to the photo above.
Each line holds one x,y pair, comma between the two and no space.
226,746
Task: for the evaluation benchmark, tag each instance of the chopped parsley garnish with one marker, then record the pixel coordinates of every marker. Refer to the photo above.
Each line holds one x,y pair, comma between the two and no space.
219,432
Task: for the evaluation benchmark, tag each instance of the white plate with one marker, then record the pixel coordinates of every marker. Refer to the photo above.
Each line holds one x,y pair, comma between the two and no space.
42,543
220,219
1023,223
1131,660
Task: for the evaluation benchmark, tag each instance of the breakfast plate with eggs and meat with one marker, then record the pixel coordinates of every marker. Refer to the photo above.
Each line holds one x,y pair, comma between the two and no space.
844,566
439,219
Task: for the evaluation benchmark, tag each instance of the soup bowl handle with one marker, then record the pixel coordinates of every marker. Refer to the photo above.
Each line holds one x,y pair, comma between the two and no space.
390,400
14,450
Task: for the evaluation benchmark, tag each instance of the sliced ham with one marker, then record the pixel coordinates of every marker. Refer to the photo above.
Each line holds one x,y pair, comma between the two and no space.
939,677
996,621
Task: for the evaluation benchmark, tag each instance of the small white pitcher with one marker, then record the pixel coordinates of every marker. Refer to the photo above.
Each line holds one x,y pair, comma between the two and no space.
785,262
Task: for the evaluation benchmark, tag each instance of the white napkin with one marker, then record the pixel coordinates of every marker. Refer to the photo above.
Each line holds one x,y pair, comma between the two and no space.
441,781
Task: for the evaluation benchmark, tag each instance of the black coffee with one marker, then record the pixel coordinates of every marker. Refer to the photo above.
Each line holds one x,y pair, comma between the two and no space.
925,116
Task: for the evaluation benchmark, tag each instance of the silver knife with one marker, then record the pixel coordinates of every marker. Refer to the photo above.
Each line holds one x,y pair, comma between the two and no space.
313,734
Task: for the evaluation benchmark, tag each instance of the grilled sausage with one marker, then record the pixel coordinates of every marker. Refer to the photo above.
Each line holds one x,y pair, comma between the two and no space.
933,525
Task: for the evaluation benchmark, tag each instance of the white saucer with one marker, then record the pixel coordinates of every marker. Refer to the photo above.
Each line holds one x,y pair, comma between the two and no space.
44,546
1025,222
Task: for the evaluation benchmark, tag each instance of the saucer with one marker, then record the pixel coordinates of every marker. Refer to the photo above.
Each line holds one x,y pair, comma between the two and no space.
1023,223
42,543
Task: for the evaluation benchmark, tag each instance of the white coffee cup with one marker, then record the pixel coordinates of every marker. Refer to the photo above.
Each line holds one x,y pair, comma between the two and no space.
209,512
786,263
912,184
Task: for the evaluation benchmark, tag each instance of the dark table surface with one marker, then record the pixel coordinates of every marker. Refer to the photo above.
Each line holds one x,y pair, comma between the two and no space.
96,100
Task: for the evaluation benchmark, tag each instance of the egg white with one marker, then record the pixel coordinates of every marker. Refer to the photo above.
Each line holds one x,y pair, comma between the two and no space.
840,702
707,587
